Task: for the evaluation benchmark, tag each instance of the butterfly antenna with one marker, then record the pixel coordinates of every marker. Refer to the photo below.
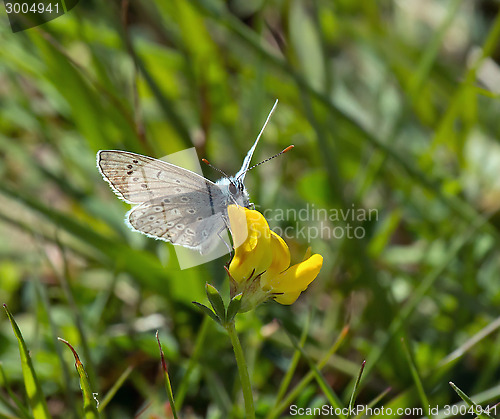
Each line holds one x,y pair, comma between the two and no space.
248,157
272,157
267,120
213,167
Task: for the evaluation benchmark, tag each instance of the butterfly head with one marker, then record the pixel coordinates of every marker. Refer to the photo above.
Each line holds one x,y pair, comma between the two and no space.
234,190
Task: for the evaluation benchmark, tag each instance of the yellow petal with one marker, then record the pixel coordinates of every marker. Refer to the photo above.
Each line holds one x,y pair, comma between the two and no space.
252,239
288,298
294,280
281,260
238,223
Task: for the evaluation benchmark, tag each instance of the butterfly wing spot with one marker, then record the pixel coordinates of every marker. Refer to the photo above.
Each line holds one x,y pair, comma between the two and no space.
178,190
129,166
144,186
170,224
156,232
151,218
177,181
158,209
135,161
190,232
184,199
191,211
166,200
200,218
204,233
130,172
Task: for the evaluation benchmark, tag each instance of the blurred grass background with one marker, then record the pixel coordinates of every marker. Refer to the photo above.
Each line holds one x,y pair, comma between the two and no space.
391,105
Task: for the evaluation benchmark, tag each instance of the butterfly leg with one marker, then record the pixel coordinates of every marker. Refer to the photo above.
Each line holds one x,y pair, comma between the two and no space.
229,247
227,228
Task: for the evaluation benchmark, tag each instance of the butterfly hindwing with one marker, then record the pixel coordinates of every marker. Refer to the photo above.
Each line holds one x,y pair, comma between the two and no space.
182,220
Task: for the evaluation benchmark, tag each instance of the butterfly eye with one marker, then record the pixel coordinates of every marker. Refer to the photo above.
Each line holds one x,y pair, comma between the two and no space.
232,188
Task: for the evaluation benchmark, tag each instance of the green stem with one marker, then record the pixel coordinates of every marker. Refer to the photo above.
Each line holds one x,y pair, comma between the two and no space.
242,369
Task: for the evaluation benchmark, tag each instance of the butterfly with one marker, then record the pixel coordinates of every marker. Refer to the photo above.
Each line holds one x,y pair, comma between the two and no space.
172,203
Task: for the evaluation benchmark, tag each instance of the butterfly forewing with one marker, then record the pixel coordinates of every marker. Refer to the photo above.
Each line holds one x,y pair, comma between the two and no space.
136,178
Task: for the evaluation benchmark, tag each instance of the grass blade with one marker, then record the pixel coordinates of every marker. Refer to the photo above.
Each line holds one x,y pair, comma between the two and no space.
462,349
116,386
477,408
193,361
168,385
416,378
36,399
374,402
89,402
325,387
299,388
353,395
287,379
21,410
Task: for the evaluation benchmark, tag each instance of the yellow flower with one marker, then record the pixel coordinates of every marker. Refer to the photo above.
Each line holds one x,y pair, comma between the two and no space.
260,268
252,243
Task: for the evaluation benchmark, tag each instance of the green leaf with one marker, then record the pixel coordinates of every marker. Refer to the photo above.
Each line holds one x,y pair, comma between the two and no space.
89,403
36,398
216,302
233,308
208,312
